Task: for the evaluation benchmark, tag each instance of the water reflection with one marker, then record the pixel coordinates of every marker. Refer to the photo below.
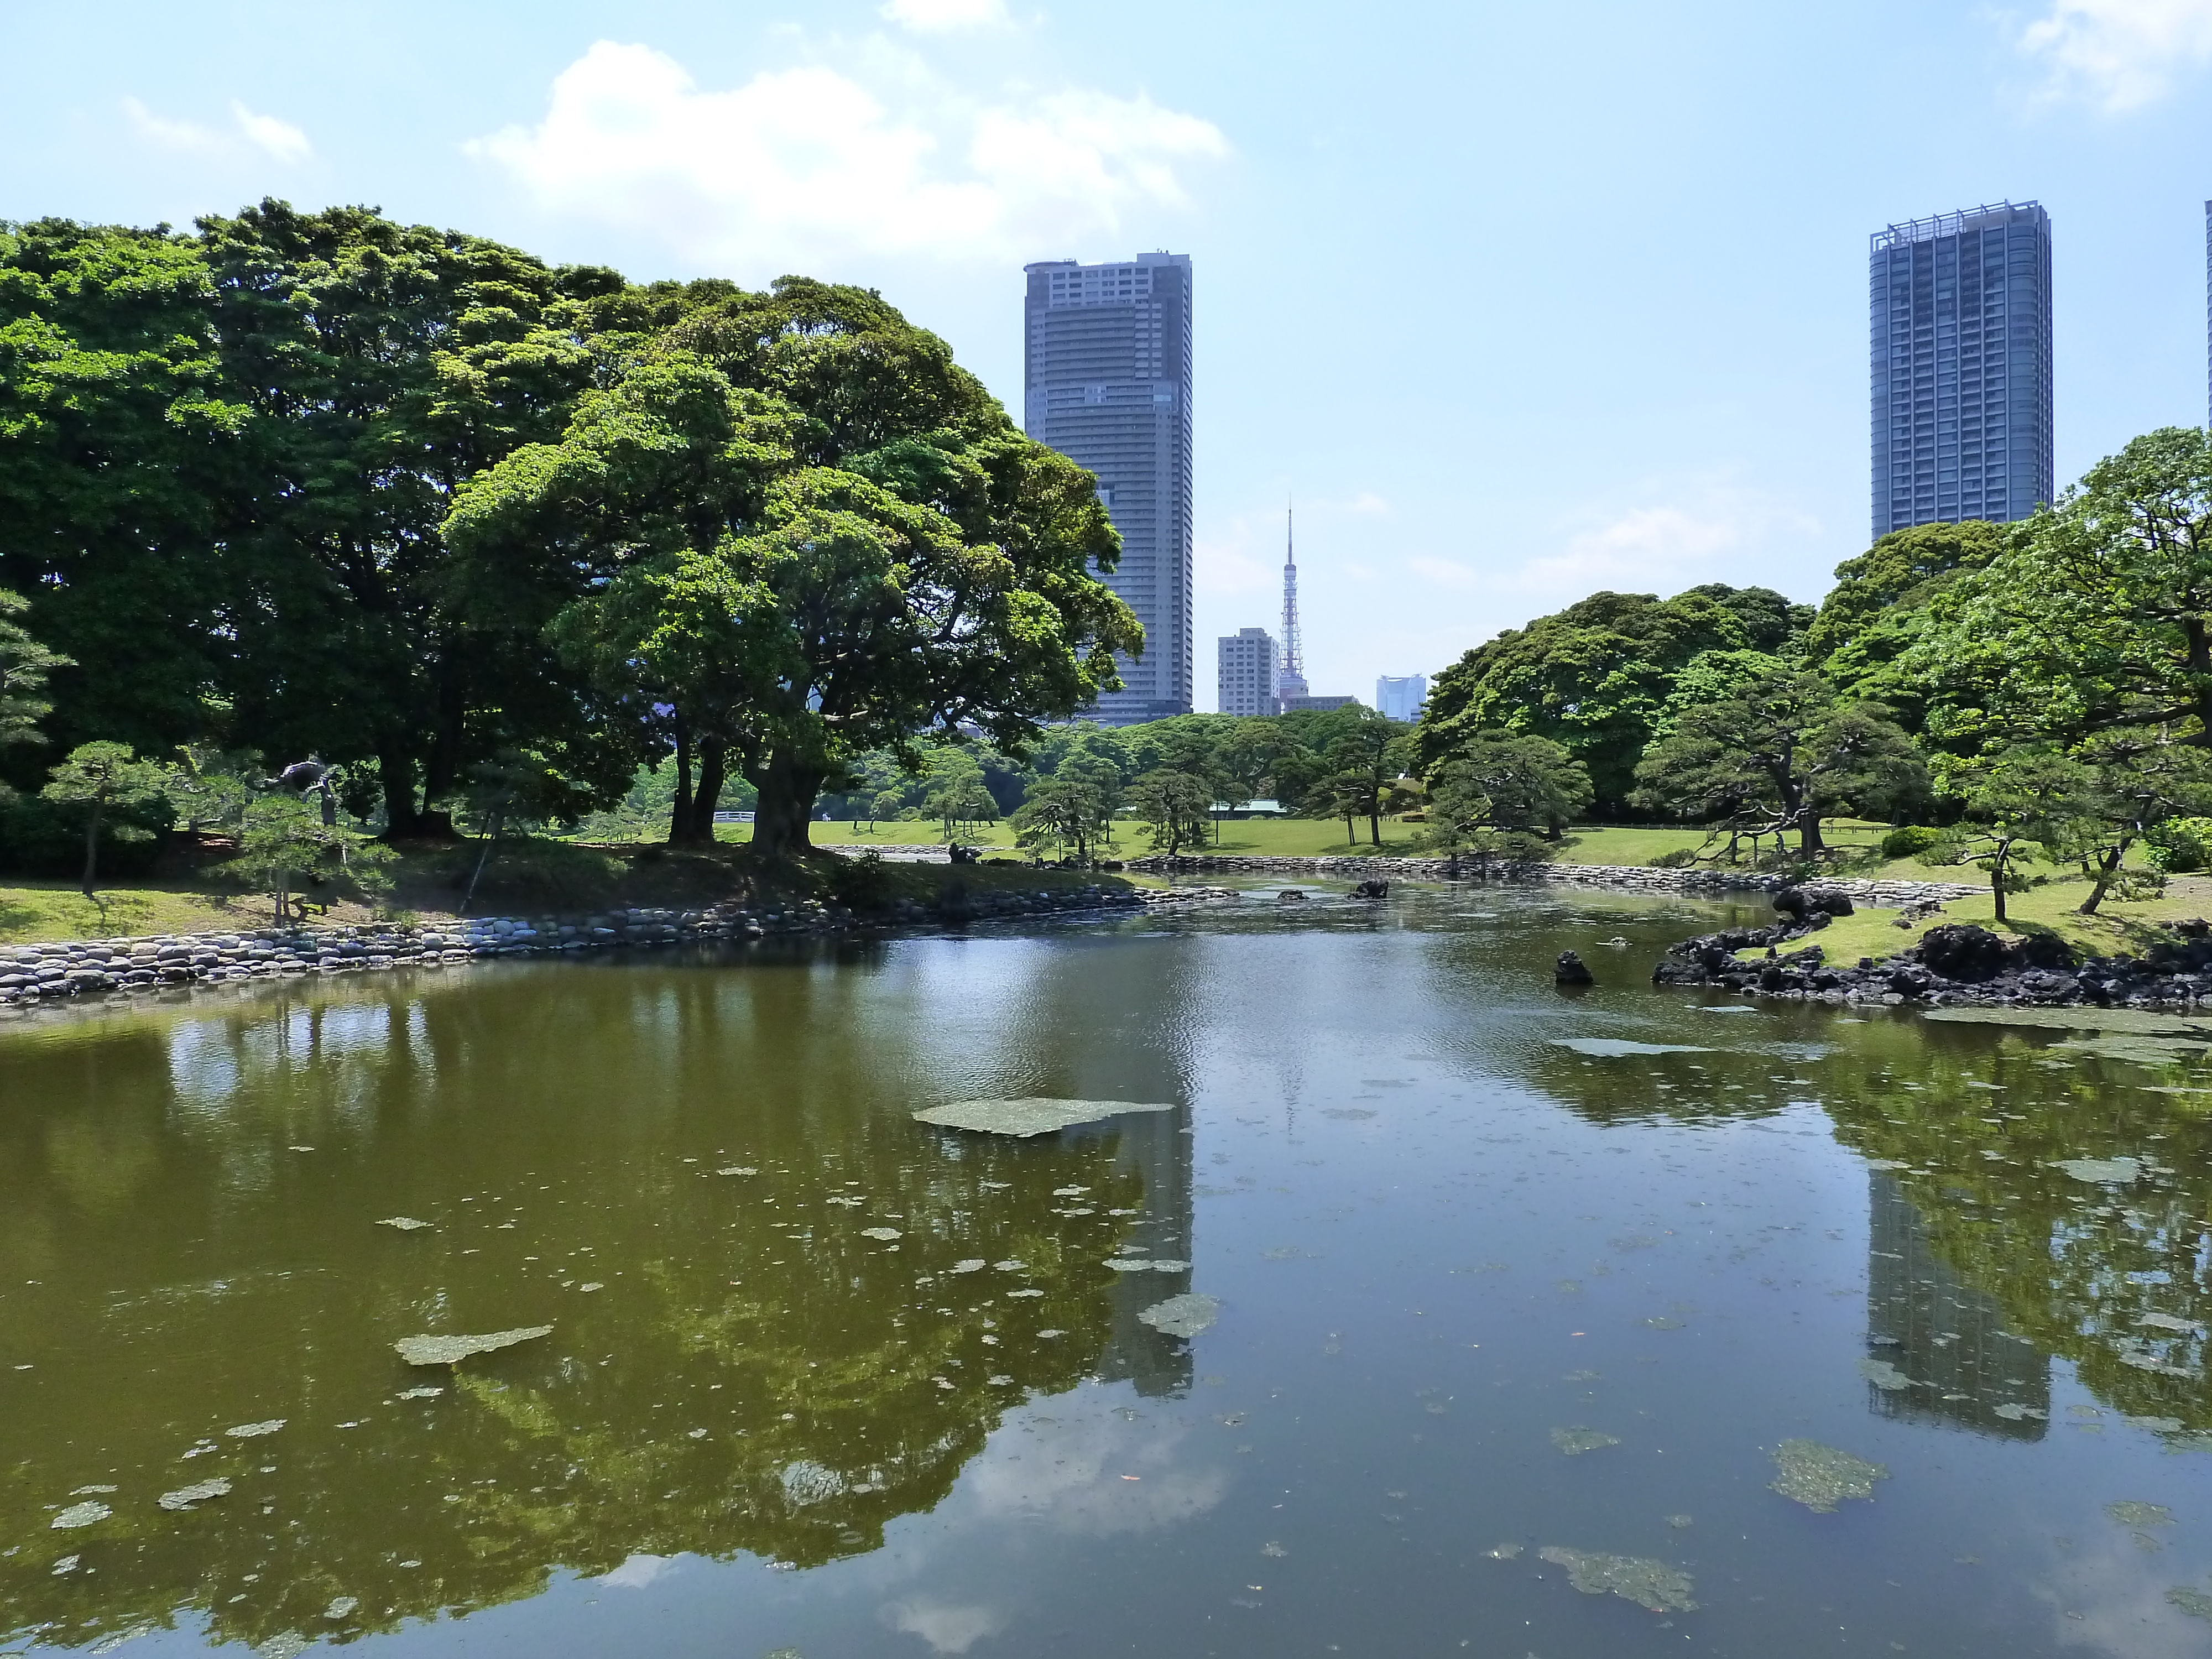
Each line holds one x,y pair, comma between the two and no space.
783,1313
1963,1368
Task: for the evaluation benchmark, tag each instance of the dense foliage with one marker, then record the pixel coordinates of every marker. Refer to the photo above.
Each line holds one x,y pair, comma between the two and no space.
455,520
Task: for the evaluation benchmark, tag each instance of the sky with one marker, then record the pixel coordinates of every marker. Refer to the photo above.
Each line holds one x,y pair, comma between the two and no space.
1518,302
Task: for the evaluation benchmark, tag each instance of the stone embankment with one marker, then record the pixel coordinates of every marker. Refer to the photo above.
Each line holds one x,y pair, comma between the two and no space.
1952,965
1896,895
122,967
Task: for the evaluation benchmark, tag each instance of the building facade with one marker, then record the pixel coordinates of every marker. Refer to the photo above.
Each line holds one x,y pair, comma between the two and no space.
1400,696
1959,308
1315,705
1107,383
1245,665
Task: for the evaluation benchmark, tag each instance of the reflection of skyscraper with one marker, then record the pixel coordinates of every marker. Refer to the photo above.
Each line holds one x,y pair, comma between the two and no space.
1948,1339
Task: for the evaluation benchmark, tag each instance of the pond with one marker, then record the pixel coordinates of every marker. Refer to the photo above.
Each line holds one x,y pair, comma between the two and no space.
1503,1320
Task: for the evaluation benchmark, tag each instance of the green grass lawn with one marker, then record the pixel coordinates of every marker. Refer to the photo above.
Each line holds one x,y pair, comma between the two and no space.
2053,908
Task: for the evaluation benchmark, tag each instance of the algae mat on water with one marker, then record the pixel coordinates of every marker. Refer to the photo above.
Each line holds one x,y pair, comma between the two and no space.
1033,1115
452,1350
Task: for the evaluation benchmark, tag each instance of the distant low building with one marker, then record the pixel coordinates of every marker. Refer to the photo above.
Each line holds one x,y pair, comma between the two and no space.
1245,668
1250,809
1316,705
1400,696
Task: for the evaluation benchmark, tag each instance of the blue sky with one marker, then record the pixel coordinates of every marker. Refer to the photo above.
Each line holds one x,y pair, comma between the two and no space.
1520,301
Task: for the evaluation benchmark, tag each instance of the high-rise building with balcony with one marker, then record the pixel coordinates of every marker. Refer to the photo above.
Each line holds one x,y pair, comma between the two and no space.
1107,383
1960,357
1245,665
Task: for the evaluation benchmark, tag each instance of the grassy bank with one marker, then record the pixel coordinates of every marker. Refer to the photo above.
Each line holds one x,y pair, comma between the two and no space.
531,879
2053,908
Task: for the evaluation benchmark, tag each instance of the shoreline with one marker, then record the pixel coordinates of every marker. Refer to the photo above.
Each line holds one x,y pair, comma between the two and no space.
76,971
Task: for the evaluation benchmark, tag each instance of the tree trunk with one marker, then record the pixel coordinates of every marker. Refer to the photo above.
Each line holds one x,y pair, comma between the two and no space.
1998,879
1375,826
395,770
2108,867
698,814
679,813
1809,832
786,806
92,814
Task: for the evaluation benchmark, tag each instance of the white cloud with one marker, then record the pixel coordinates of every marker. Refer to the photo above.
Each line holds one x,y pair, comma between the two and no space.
948,1628
939,17
800,165
1644,546
2119,54
279,140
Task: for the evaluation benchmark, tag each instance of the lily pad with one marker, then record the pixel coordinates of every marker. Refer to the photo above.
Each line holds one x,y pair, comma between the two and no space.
1651,1584
1817,1475
2111,1171
199,1491
452,1350
1033,1115
2129,1513
80,1515
405,1224
1620,1049
1182,1315
1574,1442
255,1431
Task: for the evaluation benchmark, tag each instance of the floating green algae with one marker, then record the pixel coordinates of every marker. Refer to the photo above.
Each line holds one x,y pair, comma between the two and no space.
1184,1316
452,1350
1651,1584
1574,1442
1032,1114
1621,1047
1139,1265
885,1234
2137,1022
80,1514
198,1492
1883,1374
1817,1475
2109,1171
255,1431
405,1224
2189,1601
2129,1513
1504,1552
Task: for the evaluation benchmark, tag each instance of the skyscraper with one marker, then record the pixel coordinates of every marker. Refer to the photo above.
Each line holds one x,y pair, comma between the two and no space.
1960,358
1400,696
1107,384
2207,313
1246,669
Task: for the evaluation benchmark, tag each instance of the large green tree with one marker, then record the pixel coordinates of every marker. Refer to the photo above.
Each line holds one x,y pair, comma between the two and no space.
1784,749
2098,615
792,530
1594,677
1881,607
120,450
384,365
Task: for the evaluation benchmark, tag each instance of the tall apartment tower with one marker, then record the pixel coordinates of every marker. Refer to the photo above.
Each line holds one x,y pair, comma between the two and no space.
2207,313
1246,663
1107,384
1960,359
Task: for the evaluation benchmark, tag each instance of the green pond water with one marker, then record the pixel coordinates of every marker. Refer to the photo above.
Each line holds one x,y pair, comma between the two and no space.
1567,1325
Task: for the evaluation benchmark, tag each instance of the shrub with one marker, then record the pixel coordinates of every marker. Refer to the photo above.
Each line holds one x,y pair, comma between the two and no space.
861,882
1909,841
2180,845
